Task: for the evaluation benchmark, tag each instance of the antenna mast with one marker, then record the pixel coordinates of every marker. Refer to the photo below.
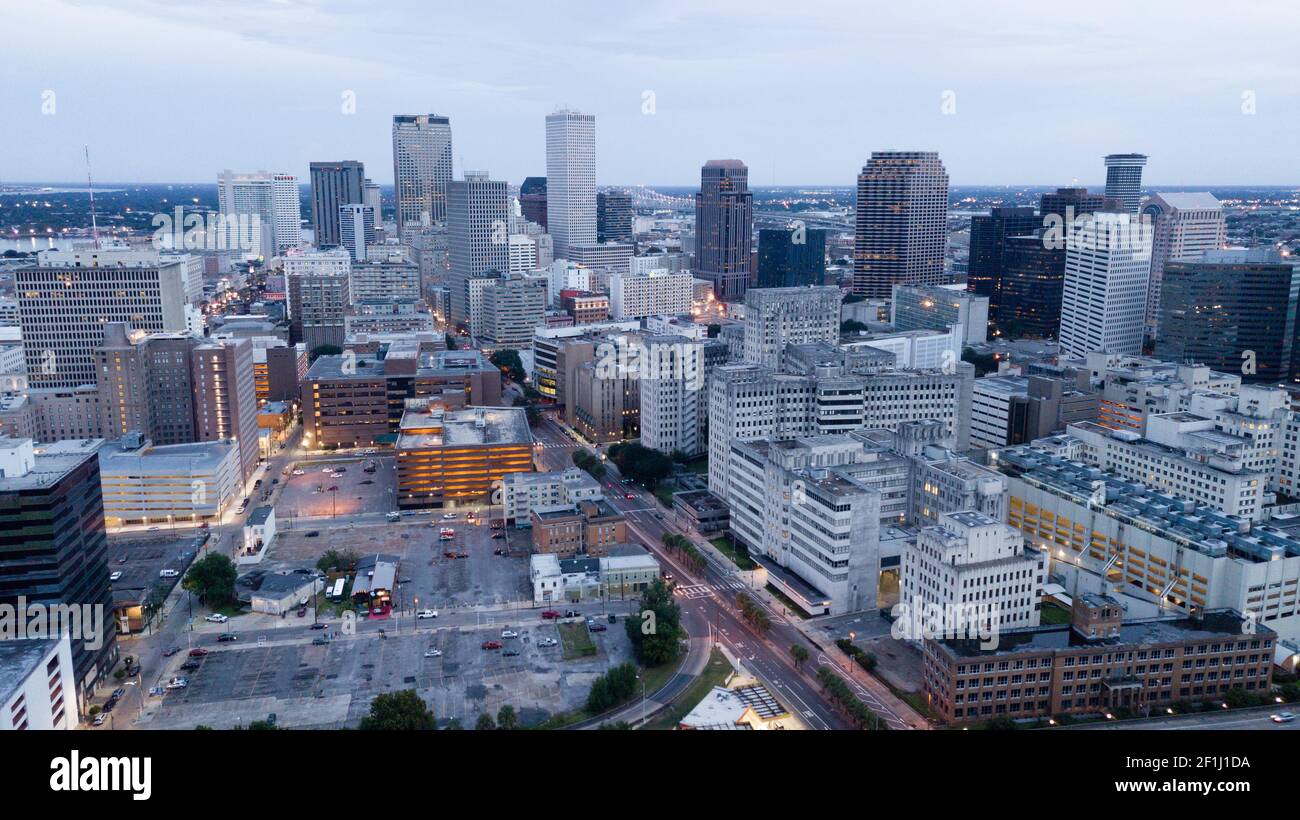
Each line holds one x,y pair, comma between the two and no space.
90,186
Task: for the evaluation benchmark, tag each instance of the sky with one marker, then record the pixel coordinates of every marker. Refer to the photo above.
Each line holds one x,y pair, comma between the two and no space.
1008,92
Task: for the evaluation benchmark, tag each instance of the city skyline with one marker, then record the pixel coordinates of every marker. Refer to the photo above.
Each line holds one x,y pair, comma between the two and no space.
656,94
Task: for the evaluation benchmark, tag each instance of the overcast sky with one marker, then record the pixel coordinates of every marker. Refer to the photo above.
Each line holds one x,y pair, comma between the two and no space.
174,91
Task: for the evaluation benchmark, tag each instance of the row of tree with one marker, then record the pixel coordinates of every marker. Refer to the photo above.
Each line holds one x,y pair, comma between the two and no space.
685,550
657,633
616,686
642,464
840,692
752,612
404,711
586,461
864,659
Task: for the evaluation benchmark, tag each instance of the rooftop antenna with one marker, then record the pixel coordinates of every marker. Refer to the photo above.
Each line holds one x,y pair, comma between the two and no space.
90,186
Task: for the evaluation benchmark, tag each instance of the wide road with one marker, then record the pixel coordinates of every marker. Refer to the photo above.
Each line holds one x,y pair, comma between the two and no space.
707,599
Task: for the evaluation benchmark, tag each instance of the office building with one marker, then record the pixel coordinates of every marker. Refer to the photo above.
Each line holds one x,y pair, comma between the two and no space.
225,400
421,170
776,317
1103,306
615,257
513,306
477,243
271,201
792,257
450,456
384,279
902,222
53,549
672,388
570,179
334,185
317,303
920,307
1124,179
1234,310
521,493
1185,226
988,240
635,296
724,227
357,230
613,216
532,200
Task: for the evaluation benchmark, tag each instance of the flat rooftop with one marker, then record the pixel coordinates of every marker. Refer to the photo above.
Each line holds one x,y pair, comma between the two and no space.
18,659
461,428
53,462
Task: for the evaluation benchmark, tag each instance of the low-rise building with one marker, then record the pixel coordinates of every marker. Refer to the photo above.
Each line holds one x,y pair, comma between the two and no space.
450,456
702,511
38,687
144,484
523,492
589,527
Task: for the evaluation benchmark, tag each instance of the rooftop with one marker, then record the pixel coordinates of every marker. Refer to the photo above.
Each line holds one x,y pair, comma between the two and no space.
435,427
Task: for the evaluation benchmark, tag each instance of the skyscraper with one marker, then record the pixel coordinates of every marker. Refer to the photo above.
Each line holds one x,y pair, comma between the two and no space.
1103,305
724,228
791,257
1237,311
532,200
902,222
1124,179
357,229
421,169
225,400
988,239
333,185
1185,226
570,179
477,242
613,217
273,199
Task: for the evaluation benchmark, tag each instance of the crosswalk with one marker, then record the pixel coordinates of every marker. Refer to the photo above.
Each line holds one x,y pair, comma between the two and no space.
696,591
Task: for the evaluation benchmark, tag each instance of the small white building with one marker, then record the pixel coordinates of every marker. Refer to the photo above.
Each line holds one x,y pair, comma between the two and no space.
259,531
522,492
37,684
278,594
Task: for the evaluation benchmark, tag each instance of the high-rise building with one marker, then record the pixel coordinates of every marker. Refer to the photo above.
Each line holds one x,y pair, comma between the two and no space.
275,202
532,200
64,305
513,306
421,169
317,296
225,399
357,229
1236,310
53,549
988,240
1104,299
1124,179
776,317
724,228
635,296
924,307
333,185
570,179
477,242
791,257
671,384
1185,226
902,222
613,216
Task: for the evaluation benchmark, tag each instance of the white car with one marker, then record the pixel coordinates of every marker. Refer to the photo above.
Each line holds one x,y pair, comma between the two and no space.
99,719
168,573
300,472
217,618
115,575
548,642
433,653
427,613
1282,717
509,633
177,683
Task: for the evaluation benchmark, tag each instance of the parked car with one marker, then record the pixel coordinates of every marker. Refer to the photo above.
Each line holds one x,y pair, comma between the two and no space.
114,575
227,637
190,666
613,618
433,653
597,627
300,472
548,642
550,614
171,651
198,652
168,573
509,633
177,683
302,612
319,640
118,693
393,516
572,613
313,533
491,645
510,653
1282,717
427,613
99,719
319,625
448,516
217,618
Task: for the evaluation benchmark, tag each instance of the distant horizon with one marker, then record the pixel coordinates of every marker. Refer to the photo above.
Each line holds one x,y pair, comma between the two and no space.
305,183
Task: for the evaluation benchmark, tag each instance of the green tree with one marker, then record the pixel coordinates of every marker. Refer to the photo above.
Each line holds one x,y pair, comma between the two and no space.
402,710
212,579
799,653
616,686
642,464
485,723
656,639
506,718
332,559
510,364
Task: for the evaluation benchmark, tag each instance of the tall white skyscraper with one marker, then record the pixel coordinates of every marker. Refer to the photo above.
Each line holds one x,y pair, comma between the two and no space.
570,179
273,198
421,169
1185,226
477,243
357,229
1107,264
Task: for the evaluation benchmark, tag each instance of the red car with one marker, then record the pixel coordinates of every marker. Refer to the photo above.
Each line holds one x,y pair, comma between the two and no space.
198,652
492,644
629,496
550,614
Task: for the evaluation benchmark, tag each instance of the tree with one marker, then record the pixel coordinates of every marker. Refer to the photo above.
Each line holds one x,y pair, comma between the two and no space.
656,639
506,718
799,653
641,464
852,326
616,686
332,559
485,723
394,711
984,362
510,364
212,579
